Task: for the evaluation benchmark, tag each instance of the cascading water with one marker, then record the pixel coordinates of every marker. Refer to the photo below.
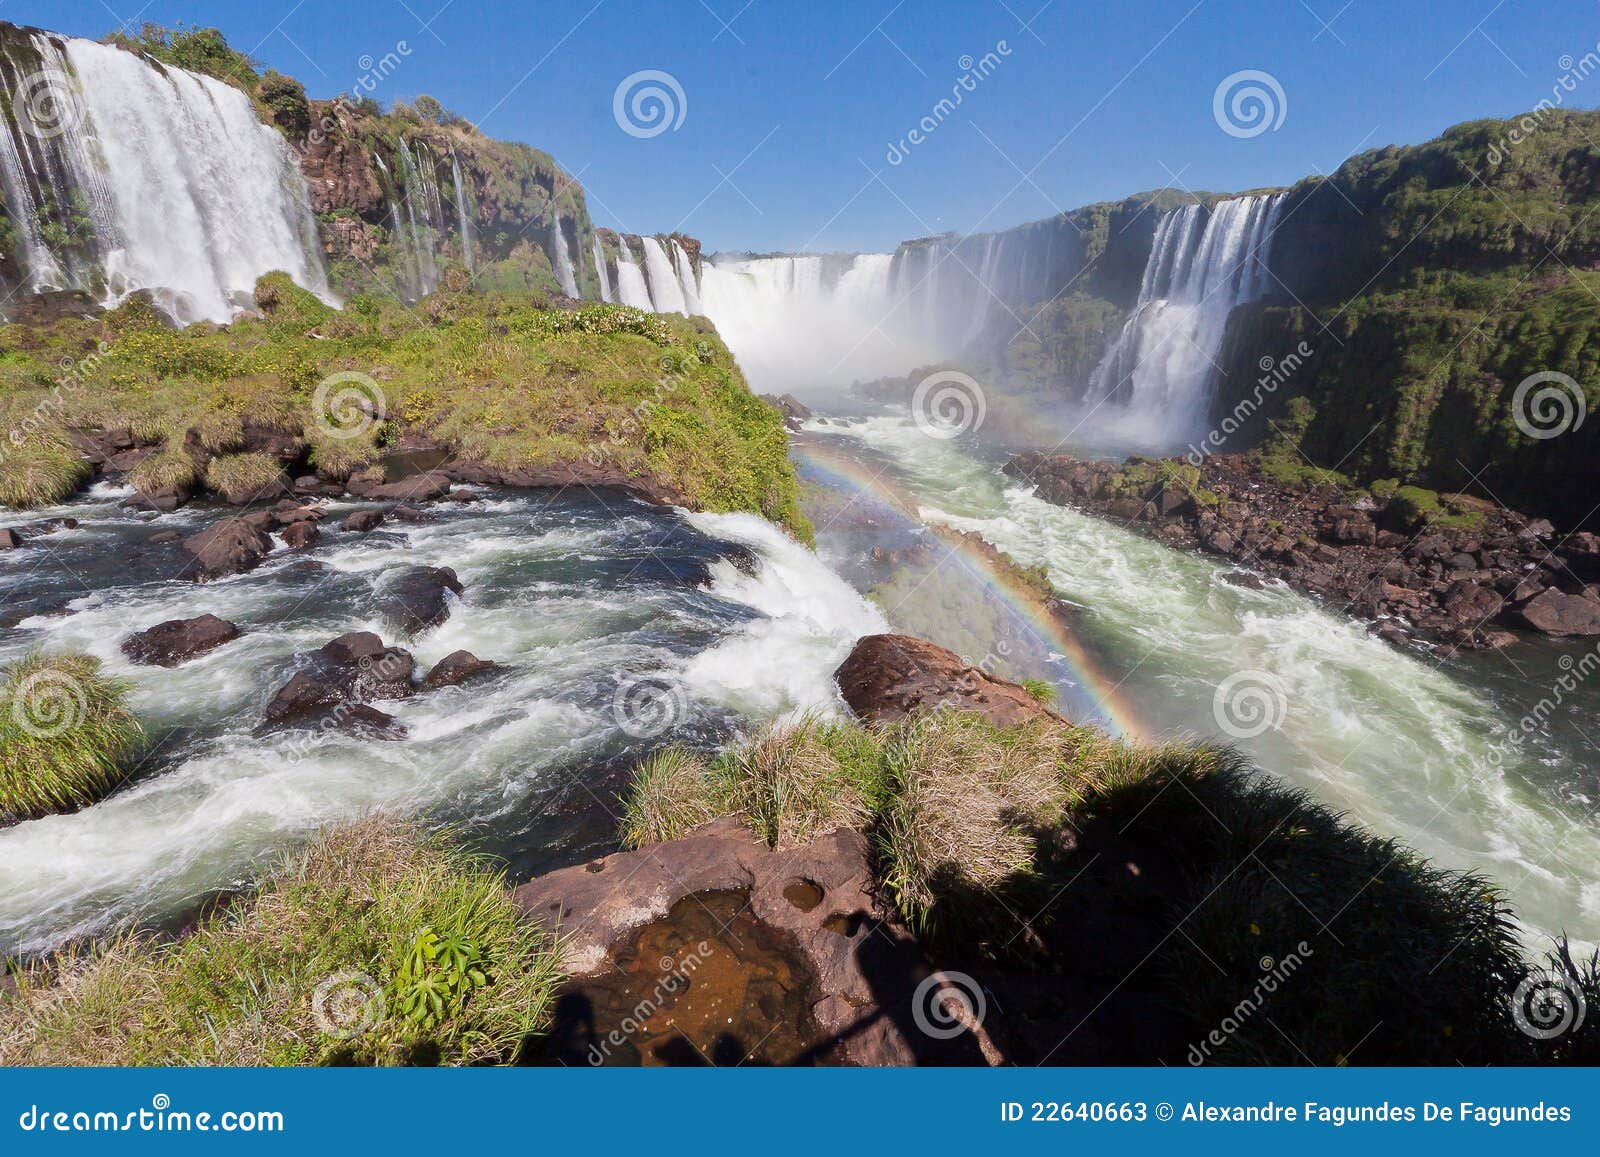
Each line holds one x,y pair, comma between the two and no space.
600,273
686,279
1202,265
665,291
631,287
418,231
561,259
463,210
121,174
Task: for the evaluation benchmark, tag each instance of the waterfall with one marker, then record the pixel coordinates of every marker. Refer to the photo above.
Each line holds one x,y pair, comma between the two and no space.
561,260
686,279
600,270
162,179
463,209
418,232
631,287
1202,264
665,292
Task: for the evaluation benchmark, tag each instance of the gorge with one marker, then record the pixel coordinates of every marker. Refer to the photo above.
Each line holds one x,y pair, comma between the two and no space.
330,344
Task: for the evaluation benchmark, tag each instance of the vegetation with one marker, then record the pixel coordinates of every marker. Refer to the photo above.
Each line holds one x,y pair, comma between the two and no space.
244,477
977,831
65,735
378,945
498,378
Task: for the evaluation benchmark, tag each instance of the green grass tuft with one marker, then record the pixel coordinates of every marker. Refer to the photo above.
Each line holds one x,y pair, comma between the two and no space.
39,471
376,946
65,735
245,477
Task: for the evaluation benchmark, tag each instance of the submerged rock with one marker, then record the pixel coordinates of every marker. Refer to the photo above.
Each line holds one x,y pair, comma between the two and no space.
178,640
417,598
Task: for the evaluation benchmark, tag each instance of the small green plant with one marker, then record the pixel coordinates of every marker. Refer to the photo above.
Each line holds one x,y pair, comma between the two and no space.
1041,689
437,976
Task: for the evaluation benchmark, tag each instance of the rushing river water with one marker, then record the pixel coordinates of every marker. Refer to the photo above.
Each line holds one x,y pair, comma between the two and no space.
618,626
1408,743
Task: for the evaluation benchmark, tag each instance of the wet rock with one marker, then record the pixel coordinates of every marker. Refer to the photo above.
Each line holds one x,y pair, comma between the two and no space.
362,521
887,677
178,640
164,536
817,903
231,546
300,535
407,513
456,667
418,488
342,675
1559,614
1243,578
416,598
10,539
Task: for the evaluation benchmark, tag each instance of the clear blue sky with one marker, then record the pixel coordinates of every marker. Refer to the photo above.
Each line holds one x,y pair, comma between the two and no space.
792,106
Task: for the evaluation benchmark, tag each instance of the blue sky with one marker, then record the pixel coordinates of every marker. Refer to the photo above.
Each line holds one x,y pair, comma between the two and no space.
790,108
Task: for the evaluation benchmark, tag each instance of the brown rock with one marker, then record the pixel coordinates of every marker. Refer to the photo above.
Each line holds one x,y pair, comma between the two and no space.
10,539
418,488
455,668
362,520
232,546
887,677
177,640
416,598
301,535
1559,614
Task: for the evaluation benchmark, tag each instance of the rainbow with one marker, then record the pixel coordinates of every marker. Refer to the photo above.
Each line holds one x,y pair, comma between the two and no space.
827,464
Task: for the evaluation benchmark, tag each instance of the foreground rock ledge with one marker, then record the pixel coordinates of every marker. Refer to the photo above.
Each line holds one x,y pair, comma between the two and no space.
888,677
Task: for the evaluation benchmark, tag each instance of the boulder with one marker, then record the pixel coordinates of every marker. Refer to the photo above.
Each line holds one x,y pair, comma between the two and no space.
343,674
300,535
417,488
408,513
231,546
887,677
1559,614
362,520
416,598
455,668
10,539
178,640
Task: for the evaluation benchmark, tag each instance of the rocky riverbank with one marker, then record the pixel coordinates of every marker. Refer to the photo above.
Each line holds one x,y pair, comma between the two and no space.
1447,568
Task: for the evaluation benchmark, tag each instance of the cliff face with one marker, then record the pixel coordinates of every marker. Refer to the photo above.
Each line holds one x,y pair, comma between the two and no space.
1429,283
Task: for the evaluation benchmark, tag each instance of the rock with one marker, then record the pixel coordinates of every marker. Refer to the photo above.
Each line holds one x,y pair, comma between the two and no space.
1559,614
793,410
164,536
407,513
1471,603
231,546
178,640
362,520
1243,578
861,968
10,539
416,599
300,535
417,488
455,668
343,674
887,677
289,512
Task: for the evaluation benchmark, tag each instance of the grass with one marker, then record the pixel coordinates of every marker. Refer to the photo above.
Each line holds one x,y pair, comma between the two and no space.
378,945
495,377
245,477
43,469
65,735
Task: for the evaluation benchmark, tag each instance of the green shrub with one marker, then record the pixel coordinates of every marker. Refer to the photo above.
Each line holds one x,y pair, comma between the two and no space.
378,945
65,735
